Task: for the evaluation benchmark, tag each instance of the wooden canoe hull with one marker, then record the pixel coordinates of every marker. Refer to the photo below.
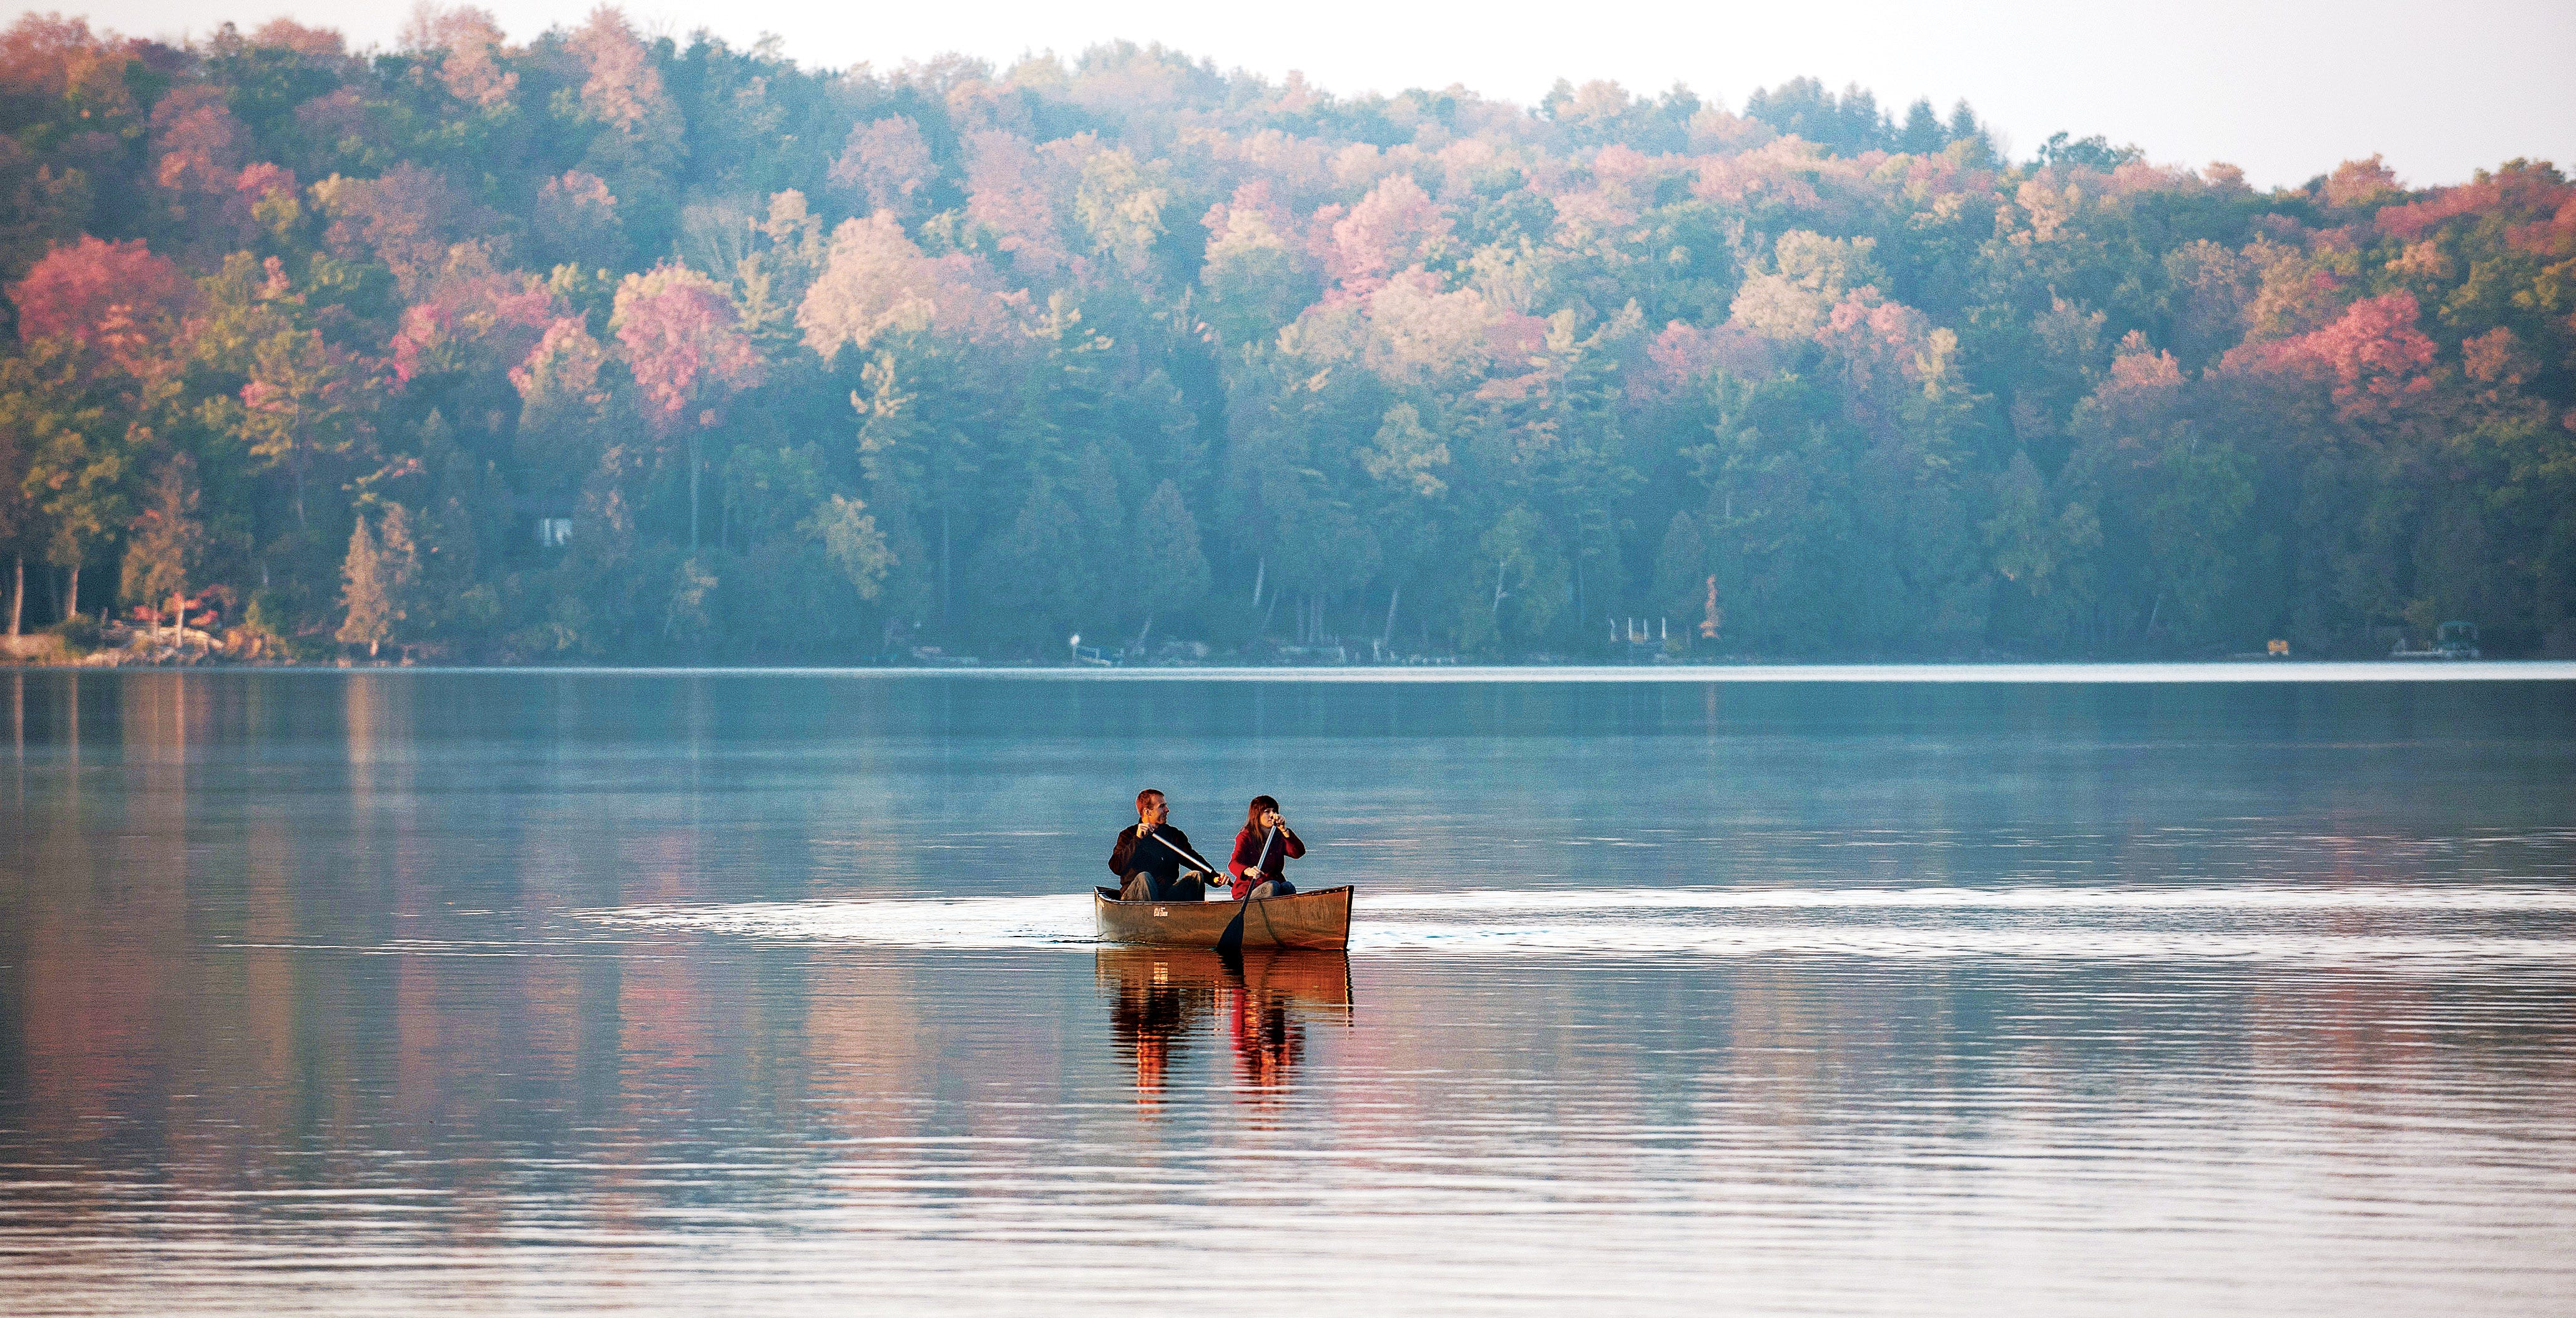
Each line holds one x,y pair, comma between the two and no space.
1320,920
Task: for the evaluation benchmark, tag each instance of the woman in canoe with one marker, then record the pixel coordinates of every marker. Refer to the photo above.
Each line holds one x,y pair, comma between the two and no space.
1262,852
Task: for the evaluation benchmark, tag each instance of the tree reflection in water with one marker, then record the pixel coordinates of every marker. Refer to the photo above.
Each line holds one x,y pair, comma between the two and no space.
1159,997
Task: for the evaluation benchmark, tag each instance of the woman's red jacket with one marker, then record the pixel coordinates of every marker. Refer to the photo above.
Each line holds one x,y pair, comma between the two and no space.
1247,855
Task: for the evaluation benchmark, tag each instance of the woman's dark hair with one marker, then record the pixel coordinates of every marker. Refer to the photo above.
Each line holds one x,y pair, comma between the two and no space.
1252,812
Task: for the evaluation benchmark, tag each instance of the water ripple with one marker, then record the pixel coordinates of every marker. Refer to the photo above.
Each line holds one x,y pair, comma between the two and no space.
2383,926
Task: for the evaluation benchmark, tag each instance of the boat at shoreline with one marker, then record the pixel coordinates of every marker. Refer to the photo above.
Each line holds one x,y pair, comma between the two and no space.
1320,919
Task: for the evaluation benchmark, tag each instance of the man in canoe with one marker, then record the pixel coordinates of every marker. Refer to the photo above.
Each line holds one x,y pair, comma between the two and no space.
1151,857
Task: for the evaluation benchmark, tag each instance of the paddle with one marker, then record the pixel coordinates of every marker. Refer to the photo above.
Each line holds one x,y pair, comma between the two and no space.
1230,943
1187,857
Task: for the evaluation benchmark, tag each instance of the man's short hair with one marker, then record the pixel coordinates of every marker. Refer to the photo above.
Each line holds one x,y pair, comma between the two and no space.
1147,795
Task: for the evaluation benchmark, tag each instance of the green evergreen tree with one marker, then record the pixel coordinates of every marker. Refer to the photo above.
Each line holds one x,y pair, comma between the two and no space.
1166,568
1681,565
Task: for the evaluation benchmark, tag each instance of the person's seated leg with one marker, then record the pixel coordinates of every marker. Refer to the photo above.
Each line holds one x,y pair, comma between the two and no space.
1282,888
1189,888
1139,887
1265,888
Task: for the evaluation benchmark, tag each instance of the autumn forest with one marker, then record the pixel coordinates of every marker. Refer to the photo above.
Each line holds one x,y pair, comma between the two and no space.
587,345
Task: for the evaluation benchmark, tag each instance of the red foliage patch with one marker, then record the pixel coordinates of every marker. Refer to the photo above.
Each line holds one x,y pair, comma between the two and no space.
2376,357
2518,193
115,299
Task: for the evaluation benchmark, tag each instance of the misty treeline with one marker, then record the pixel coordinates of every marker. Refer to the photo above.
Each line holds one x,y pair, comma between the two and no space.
610,346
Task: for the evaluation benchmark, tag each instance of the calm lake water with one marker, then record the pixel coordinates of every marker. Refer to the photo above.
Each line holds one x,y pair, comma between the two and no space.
508,992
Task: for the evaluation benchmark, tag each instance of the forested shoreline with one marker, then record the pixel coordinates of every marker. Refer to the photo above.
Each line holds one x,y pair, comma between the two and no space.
607,347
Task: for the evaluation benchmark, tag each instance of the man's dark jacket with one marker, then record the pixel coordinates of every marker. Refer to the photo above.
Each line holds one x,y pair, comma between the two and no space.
1160,857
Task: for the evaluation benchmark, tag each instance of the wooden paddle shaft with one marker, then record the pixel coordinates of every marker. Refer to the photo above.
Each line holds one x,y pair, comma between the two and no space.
1202,866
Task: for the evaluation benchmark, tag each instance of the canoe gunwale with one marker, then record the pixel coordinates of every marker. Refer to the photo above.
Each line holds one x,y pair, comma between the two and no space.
1104,894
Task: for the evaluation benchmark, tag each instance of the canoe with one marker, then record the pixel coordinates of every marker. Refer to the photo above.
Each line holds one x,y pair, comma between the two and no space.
1320,919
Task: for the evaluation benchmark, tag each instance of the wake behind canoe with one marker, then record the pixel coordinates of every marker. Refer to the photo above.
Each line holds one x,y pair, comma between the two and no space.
1319,919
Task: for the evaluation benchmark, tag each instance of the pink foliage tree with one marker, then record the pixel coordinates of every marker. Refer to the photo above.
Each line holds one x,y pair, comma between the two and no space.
1883,352
2518,192
409,219
2378,357
2375,358
196,142
121,303
623,93
621,88
1395,227
885,165
471,322
1682,358
198,150
1008,191
687,351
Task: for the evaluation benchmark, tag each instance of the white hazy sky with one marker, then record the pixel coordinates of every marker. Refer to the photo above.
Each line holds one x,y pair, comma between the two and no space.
2284,90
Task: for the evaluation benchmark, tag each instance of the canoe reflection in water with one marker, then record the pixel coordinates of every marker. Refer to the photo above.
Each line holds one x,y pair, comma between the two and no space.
1160,997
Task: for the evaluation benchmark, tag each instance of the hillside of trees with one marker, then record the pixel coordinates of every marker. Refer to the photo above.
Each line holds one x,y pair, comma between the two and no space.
604,347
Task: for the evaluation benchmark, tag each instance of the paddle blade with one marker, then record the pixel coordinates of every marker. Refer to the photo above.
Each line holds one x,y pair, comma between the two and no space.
1230,943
